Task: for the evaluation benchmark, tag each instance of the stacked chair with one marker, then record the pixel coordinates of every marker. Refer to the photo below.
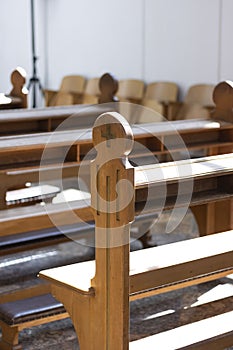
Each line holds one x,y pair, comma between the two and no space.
91,91
70,92
159,94
197,103
130,90
158,99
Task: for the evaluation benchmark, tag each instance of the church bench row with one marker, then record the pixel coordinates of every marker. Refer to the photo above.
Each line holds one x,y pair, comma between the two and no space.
156,139
209,175
29,312
47,119
12,179
222,168
203,210
38,218
28,150
101,294
83,116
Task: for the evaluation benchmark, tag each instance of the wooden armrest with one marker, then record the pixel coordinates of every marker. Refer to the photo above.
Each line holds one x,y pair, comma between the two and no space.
75,276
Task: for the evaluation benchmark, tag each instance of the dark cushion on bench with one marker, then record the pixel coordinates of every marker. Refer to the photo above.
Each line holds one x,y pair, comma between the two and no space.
43,235
29,309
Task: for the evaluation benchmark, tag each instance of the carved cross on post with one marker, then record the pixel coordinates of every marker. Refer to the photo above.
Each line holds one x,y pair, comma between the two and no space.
108,135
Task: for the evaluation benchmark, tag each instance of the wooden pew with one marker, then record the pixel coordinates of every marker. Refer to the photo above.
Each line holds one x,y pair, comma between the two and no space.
208,187
225,145
28,151
157,140
17,98
97,293
49,118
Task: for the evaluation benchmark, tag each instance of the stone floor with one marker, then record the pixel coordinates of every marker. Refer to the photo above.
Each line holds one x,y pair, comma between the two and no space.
148,316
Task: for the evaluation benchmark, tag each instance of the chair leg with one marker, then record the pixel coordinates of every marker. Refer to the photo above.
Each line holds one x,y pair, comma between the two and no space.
10,338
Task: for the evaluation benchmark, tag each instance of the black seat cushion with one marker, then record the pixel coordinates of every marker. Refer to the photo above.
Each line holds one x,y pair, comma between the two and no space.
30,309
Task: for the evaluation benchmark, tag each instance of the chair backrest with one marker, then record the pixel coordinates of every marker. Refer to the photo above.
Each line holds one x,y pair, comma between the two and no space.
162,91
62,98
197,102
72,83
130,89
201,94
92,87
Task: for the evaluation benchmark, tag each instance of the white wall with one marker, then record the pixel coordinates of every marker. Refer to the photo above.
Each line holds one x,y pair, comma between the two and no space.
186,41
91,37
181,44
14,38
226,43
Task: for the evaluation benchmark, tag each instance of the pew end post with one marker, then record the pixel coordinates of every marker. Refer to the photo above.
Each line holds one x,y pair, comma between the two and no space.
18,80
106,284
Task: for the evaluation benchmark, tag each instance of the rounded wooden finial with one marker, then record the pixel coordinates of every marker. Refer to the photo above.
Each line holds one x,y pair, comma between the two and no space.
18,77
108,86
223,99
223,94
112,126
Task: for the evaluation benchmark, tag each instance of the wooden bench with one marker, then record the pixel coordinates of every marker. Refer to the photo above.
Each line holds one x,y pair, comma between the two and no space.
98,292
15,316
214,137
83,116
12,223
50,118
25,313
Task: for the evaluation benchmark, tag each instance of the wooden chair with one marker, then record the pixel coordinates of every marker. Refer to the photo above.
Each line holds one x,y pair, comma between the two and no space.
130,90
159,94
70,92
197,103
91,91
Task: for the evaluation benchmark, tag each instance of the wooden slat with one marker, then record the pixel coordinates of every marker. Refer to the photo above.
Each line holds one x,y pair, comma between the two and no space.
213,333
180,261
159,266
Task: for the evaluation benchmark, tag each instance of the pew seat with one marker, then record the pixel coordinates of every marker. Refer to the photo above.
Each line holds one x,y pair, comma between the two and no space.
39,238
18,315
152,271
213,333
31,194
160,269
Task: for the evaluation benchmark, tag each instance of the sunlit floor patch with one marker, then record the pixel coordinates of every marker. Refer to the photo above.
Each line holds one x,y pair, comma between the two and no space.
28,258
219,292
